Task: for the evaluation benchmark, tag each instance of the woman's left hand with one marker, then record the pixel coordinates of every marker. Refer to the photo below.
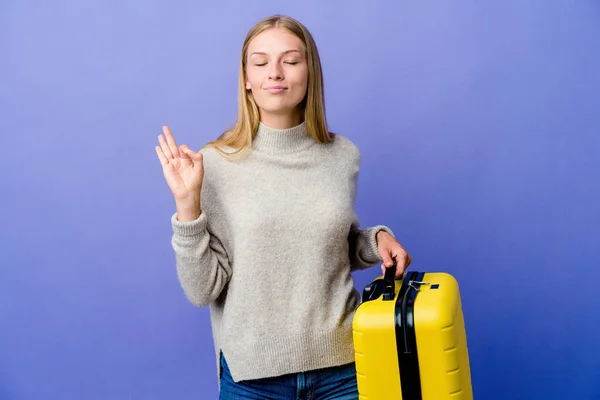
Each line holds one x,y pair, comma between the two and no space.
391,253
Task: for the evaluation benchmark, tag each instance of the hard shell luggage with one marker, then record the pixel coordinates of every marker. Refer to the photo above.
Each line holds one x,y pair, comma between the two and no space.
409,339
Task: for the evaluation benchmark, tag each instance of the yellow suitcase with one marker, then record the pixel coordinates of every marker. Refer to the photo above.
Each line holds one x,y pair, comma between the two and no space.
409,339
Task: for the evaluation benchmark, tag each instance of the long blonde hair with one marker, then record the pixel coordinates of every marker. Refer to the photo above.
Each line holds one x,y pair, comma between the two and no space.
239,138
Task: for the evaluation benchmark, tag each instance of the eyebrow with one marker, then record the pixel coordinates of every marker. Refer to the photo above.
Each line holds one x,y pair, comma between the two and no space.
285,52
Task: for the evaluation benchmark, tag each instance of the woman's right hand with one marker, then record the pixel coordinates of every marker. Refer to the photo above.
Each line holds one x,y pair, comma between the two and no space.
183,169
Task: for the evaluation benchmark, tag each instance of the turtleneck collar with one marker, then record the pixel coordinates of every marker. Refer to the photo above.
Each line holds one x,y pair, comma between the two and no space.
289,140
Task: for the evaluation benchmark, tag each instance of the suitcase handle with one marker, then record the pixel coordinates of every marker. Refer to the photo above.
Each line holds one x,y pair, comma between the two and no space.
389,283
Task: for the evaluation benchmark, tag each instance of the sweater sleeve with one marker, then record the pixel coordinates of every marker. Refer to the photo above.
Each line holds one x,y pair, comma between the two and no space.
363,246
202,264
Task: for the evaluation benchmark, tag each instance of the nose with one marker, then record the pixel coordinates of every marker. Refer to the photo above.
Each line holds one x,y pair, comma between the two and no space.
275,72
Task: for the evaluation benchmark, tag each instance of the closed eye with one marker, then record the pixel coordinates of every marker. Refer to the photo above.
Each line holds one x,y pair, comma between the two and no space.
286,62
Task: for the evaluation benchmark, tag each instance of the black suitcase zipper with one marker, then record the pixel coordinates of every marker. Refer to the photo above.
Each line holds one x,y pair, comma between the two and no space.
406,342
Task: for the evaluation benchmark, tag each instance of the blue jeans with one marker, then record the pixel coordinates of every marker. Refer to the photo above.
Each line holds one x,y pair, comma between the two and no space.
337,383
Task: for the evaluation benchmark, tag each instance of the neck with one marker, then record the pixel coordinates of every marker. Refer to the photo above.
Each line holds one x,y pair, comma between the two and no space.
281,121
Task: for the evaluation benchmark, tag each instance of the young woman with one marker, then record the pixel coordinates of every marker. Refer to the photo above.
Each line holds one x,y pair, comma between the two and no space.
265,230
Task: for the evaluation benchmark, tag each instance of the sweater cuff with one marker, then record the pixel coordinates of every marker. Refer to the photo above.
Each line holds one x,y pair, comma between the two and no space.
189,228
372,237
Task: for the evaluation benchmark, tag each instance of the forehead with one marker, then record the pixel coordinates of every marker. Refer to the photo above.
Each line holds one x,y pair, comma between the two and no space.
275,40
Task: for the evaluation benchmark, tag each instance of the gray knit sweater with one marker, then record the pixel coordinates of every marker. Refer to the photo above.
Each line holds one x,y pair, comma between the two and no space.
272,252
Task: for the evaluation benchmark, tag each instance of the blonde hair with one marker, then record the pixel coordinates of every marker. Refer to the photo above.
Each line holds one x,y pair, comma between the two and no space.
240,136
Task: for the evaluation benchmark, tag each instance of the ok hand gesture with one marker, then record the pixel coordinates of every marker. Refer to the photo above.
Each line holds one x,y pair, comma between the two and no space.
183,168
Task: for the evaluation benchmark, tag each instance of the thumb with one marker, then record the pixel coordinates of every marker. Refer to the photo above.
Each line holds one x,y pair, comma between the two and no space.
183,153
196,156
386,262
386,259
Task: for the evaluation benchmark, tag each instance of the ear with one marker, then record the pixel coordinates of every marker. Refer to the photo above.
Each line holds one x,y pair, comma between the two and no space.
248,86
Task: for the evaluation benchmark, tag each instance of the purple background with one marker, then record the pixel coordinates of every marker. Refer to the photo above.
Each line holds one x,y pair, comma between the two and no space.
478,124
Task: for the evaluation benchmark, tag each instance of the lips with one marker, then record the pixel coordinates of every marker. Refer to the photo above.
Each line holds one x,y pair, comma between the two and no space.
276,89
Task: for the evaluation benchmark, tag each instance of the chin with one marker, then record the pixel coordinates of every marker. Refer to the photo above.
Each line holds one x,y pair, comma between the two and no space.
277,107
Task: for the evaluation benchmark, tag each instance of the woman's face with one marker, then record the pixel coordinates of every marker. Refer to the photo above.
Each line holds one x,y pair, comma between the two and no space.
277,72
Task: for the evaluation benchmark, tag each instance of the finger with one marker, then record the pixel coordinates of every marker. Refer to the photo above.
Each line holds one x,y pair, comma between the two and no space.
165,147
387,260
161,156
400,271
185,157
405,259
196,156
401,264
400,259
171,141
